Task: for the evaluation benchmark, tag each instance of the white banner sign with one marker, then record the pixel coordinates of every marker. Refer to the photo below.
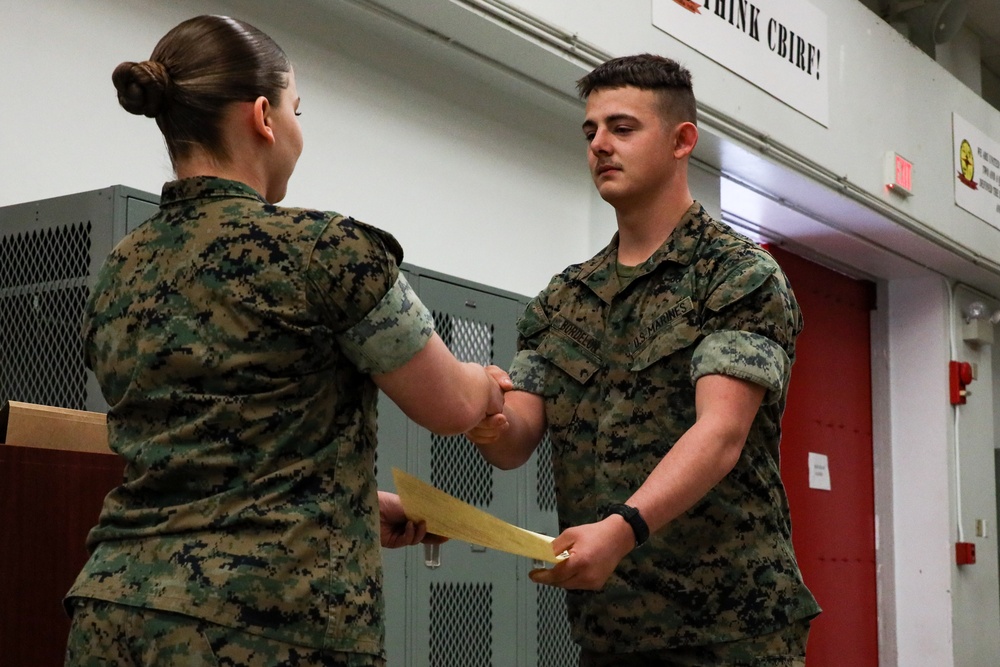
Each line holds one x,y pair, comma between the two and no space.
976,172
777,45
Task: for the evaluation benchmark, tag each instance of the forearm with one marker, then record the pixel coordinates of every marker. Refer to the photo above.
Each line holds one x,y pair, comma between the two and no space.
695,464
508,440
468,396
705,454
440,393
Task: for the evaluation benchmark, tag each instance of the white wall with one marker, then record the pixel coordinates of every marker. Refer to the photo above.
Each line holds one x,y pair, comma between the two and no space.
412,122
880,100
482,175
944,614
473,181
882,477
922,508
974,587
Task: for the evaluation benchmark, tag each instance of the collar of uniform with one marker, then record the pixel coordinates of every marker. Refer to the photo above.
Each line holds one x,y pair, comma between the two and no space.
205,187
600,275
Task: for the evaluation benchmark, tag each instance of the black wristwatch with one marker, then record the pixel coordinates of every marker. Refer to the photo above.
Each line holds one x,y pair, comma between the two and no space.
634,519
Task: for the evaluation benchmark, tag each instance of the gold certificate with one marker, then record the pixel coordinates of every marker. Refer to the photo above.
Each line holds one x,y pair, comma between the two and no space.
450,517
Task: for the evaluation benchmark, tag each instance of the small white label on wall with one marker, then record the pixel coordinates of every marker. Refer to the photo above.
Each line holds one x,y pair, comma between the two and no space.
819,471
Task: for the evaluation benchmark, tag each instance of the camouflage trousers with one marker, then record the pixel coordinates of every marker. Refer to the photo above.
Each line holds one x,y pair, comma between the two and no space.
105,634
784,648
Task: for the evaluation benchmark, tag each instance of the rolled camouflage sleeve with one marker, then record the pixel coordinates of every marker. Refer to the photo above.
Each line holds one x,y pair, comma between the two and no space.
391,334
529,369
744,355
527,372
751,329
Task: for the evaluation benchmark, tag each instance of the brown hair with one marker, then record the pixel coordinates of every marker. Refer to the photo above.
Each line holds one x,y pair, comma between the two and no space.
647,72
196,70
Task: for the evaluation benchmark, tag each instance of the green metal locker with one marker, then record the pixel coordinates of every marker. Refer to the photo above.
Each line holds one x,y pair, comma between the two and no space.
475,607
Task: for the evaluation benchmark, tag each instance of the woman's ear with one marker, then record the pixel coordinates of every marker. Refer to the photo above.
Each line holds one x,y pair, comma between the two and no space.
262,119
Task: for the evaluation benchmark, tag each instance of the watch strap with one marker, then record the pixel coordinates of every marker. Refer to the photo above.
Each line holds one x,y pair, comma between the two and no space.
633,518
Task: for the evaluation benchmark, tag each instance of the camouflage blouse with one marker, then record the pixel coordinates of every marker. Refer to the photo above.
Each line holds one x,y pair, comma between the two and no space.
616,361
233,341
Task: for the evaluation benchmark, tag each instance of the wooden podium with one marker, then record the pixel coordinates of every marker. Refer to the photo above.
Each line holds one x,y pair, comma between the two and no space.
55,469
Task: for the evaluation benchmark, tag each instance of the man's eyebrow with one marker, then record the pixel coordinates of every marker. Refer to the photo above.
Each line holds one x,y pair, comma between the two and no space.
613,118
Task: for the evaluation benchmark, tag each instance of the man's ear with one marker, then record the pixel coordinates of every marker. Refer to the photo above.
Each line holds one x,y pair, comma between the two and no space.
262,119
686,138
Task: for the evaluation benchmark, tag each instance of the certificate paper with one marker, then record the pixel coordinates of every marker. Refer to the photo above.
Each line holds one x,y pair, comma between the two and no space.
450,517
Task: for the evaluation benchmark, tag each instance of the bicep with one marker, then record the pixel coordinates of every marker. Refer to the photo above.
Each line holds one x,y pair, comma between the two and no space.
750,334
727,404
756,302
349,271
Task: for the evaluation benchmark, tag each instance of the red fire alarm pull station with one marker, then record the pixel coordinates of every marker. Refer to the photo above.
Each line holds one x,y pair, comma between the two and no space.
959,377
965,553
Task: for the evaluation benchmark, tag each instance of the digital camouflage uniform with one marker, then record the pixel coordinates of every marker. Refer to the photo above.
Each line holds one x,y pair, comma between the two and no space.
233,341
617,365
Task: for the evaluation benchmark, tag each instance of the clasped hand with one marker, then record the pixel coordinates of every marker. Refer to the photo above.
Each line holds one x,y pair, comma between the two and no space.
395,530
595,549
501,385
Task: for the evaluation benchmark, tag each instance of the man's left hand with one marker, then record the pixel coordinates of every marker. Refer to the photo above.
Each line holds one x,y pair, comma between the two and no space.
395,530
595,549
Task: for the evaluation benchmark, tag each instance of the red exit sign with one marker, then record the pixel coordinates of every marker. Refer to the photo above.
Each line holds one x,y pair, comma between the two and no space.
899,174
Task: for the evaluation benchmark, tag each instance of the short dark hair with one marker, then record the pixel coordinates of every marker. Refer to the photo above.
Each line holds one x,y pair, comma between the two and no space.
195,71
646,71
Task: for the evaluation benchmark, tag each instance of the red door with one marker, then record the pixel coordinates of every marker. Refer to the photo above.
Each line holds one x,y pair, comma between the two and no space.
829,413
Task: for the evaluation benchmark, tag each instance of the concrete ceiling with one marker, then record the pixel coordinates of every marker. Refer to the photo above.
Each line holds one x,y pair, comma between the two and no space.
984,20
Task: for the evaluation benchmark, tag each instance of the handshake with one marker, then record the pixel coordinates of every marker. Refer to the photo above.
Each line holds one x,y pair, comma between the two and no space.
482,420
488,430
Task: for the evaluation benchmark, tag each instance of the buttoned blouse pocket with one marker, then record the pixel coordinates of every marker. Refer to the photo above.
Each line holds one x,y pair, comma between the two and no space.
674,336
572,389
661,375
560,360
572,358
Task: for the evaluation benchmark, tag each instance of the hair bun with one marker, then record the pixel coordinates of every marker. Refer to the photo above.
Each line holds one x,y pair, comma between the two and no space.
142,87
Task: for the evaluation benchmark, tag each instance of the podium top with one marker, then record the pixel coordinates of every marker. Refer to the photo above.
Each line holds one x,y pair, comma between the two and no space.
48,427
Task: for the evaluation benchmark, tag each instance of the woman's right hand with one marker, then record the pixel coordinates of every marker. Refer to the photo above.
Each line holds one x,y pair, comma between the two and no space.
501,385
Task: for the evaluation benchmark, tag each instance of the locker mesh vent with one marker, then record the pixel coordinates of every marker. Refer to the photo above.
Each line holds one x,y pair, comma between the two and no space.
43,290
555,647
456,466
468,340
545,484
458,469
461,622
